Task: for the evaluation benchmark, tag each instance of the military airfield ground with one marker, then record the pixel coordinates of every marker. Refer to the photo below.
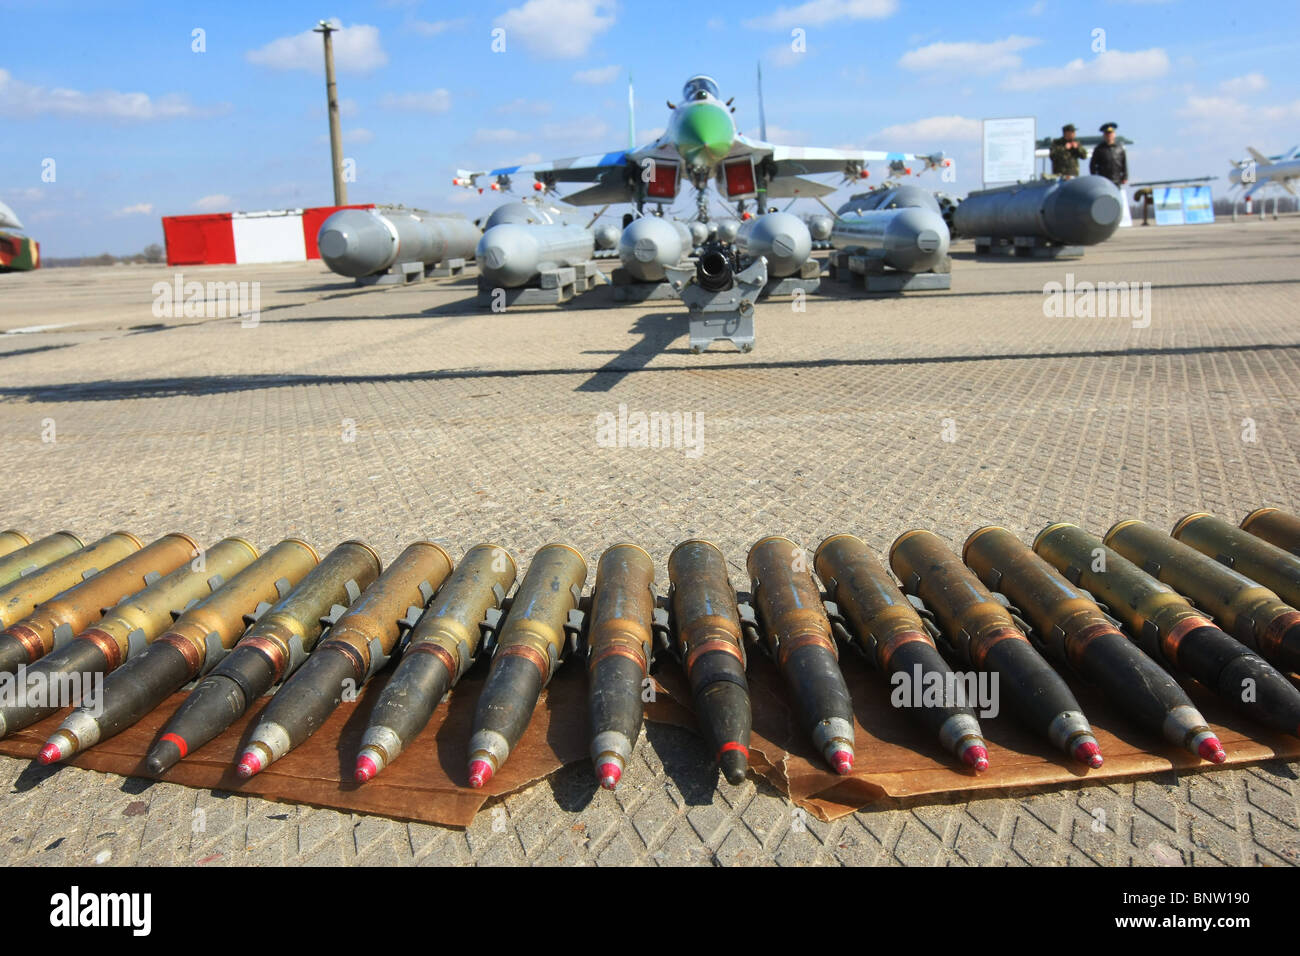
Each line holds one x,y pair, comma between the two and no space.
409,412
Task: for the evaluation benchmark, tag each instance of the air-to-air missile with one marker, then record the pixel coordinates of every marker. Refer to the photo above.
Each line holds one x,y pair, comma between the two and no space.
359,643
362,242
706,632
1082,211
1245,609
510,254
70,612
619,642
796,632
1073,632
782,238
1168,628
129,627
650,243
982,633
890,633
271,650
201,634
32,557
439,650
19,598
529,649
1276,527
1260,558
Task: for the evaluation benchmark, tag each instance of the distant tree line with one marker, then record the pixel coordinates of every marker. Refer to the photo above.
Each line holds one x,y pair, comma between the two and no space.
151,253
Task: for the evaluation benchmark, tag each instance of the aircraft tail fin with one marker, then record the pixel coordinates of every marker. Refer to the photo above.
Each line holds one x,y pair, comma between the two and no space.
762,117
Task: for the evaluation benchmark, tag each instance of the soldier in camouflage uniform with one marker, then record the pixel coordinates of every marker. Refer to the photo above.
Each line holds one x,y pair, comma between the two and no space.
1066,153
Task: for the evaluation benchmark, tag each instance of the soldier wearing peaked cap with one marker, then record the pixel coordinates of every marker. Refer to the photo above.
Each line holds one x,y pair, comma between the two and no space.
1108,159
1066,152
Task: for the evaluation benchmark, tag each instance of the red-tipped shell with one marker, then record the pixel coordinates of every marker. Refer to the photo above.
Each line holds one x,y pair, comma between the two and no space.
365,769
842,761
249,764
480,772
49,754
977,757
1088,752
609,774
1211,750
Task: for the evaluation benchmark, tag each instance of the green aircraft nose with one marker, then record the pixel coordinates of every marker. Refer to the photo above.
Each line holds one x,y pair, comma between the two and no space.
704,133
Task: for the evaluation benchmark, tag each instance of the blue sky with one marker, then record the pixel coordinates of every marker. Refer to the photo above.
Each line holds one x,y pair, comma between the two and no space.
140,125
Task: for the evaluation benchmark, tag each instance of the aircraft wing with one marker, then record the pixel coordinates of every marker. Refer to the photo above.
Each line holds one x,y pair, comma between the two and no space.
575,169
1258,156
810,160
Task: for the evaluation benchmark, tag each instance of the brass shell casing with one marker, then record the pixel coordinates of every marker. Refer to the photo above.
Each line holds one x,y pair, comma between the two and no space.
622,607
705,614
880,617
224,612
1245,609
38,555
151,611
19,599
1151,611
786,599
1278,528
534,628
973,621
11,541
1062,615
1271,558
410,581
81,605
299,614
449,629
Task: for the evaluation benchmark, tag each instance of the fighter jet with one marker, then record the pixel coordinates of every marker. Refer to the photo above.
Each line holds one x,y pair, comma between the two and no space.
1260,170
701,144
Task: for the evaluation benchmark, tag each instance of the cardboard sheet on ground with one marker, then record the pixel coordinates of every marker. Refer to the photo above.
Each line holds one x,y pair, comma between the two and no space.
896,758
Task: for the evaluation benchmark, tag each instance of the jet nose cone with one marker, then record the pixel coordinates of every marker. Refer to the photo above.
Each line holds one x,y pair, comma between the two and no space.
704,133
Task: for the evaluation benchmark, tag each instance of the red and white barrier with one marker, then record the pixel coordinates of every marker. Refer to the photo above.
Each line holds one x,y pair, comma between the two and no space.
226,238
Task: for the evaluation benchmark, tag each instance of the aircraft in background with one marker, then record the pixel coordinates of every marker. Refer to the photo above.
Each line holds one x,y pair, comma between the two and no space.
1260,170
700,145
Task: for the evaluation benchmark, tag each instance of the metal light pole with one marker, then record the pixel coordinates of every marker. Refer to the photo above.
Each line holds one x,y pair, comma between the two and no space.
336,137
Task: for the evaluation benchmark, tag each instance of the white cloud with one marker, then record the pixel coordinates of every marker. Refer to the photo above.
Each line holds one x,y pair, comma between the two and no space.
432,28
1208,114
1238,85
356,50
1113,66
28,194
779,134
24,99
933,129
556,29
968,56
139,209
434,101
598,76
217,202
524,105
1037,8
502,135
580,130
783,54
819,12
